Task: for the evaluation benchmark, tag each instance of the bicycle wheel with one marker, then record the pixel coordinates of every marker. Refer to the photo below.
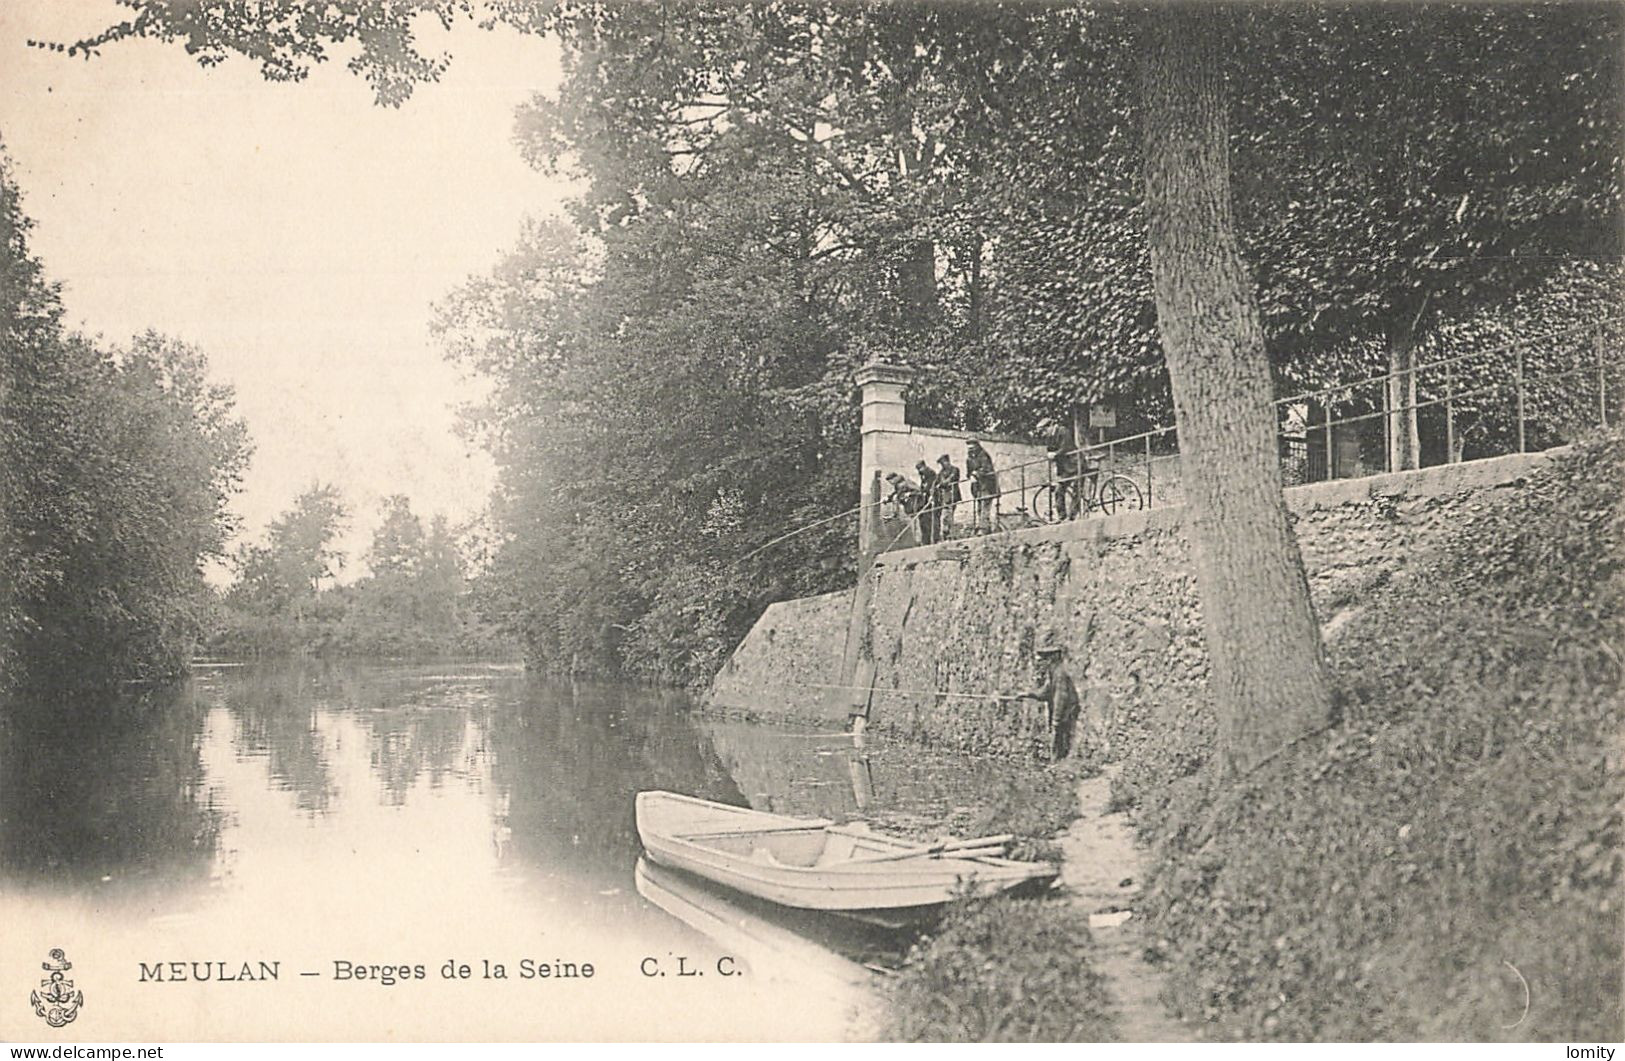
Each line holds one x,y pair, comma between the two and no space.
1119,493
1044,508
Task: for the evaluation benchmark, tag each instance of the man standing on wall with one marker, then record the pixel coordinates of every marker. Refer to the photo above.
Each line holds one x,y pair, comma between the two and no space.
931,515
908,497
984,483
948,493
1063,452
1058,693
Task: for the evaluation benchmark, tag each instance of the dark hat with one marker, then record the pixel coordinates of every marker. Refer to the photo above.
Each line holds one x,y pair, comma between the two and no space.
1048,644
943,459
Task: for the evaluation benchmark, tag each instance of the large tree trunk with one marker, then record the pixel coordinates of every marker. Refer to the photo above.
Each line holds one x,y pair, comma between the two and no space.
1269,679
1404,439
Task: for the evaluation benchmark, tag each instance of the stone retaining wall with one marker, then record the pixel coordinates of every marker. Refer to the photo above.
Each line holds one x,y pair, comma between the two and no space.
780,668
953,624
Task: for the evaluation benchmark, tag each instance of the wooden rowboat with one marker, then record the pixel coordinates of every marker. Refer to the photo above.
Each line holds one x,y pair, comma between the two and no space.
814,864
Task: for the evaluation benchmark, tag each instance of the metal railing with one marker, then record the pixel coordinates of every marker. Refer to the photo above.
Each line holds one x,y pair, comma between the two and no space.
1553,387
1019,498
1475,406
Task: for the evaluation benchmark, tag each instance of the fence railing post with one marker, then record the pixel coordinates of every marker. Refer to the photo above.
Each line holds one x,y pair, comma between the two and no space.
1519,378
1449,413
1148,469
1328,410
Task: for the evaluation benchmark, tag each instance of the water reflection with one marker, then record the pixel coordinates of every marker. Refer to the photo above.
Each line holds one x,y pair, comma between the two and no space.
861,772
415,741
898,787
115,791
145,785
560,763
568,766
401,813
274,712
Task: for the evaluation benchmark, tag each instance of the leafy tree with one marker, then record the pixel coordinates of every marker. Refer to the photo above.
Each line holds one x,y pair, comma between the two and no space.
397,545
445,585
1401,170
287,37
778,192
413,602
634,405
302,539
115,471
417,599
30,314
284,576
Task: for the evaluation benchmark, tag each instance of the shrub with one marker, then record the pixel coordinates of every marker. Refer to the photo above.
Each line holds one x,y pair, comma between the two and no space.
1002,970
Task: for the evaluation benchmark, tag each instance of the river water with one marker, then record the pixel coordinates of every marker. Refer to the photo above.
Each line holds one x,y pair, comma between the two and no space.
324,819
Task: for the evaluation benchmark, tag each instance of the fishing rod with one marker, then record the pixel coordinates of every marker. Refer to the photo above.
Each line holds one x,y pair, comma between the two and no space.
944,693
801,530
929,509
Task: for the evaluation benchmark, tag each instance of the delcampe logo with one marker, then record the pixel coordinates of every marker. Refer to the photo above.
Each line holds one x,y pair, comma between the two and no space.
59,1003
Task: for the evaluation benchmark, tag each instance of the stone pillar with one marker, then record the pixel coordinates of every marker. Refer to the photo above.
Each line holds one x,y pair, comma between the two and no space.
884,413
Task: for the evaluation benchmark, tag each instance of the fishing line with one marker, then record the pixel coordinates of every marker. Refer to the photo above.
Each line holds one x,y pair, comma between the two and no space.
886,689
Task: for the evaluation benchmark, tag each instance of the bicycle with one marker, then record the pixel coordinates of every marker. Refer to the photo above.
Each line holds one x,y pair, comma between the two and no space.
1112,494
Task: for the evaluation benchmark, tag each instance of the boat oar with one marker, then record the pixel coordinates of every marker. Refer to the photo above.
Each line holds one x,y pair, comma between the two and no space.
971,853
958,848
976,852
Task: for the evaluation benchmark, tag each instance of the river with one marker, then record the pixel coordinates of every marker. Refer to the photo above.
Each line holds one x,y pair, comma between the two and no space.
341,823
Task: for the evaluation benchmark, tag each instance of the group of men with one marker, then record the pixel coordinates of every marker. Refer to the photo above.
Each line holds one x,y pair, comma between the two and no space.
933,500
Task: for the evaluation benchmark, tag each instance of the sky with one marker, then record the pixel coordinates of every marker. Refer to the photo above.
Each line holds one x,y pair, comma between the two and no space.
299,234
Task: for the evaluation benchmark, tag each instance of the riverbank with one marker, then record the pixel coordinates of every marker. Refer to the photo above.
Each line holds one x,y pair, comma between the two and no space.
1103,873
1068,967
1010,969
1444,864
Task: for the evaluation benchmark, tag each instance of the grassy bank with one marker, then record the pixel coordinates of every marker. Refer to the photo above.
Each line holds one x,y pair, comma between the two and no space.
1005,970
1036,806
1457,836
1001,969
1453,840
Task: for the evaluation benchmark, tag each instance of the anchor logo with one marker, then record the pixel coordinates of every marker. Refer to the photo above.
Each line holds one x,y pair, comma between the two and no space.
59,1003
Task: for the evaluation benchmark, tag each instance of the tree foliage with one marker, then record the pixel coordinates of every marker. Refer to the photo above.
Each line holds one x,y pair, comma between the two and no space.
777,192
284,576
418,598
287,37
1409,167
115,469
